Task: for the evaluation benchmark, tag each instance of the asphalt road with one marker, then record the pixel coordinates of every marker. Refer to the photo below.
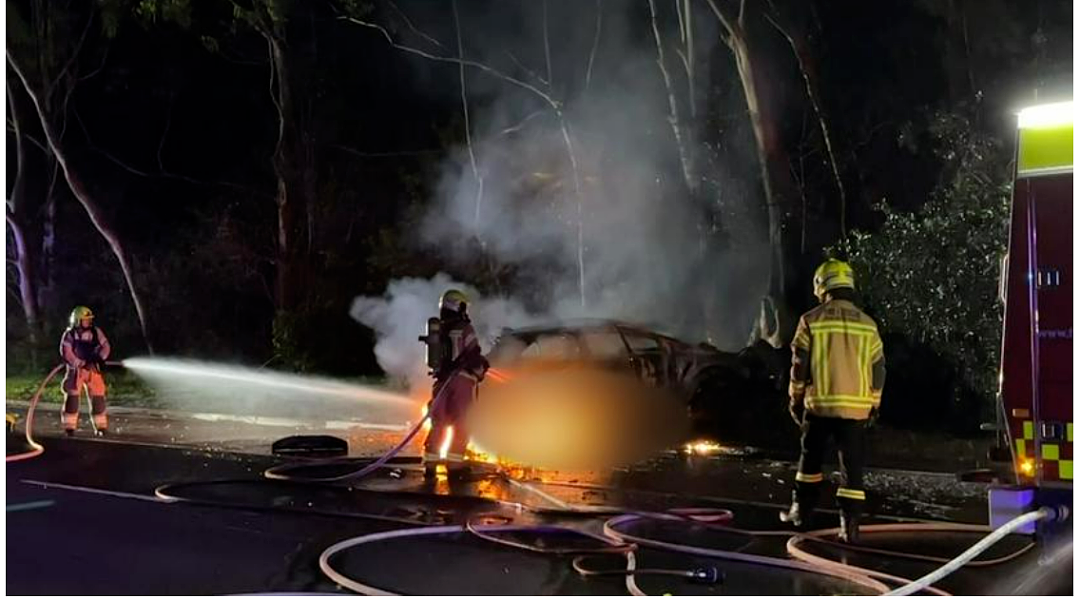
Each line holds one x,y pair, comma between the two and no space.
84,518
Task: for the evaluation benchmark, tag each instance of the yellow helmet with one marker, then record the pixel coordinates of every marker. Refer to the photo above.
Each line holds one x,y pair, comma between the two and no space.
453,299
832,274
78,314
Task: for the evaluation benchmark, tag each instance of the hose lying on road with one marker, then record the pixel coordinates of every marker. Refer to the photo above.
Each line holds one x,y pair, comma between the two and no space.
616,541
1044,513
281,472
36,449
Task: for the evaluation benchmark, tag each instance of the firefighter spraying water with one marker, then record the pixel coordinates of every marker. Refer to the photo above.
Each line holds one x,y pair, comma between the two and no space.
456,363
84,349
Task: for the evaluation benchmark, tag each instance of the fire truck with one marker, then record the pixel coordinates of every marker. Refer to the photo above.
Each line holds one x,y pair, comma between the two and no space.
1036,392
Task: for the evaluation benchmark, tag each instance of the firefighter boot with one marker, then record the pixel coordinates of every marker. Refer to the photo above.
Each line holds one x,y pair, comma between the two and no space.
849,527
799,514
429,471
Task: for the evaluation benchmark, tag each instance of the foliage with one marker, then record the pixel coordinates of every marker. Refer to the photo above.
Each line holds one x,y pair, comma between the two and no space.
932,275
125,389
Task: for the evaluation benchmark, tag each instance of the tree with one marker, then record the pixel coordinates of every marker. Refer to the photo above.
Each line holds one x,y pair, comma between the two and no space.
932,275
46,61
23,248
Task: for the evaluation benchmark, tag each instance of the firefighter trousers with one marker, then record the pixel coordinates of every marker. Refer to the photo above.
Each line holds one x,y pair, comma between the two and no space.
75,382
448,420
850,437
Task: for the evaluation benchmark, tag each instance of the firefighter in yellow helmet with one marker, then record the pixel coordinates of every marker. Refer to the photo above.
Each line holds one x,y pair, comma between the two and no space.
84,349
837,374
461,367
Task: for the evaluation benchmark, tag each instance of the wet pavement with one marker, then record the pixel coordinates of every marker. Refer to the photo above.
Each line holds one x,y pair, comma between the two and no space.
176,504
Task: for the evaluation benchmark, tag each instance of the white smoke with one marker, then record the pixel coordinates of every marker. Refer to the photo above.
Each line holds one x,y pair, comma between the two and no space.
399,317
643,256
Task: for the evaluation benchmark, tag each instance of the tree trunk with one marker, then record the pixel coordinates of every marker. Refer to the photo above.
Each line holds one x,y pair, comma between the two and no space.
772,157
48,244
809,74
82,193
293,167
24,255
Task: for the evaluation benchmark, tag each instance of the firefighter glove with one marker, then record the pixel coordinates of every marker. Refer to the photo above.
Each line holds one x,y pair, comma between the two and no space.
797,410
872,419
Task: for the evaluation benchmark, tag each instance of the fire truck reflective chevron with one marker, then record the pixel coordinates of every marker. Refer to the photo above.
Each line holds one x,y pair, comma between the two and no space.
1055,459
1036,359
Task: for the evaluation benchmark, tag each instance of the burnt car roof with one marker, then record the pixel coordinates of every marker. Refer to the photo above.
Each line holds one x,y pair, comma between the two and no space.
580,325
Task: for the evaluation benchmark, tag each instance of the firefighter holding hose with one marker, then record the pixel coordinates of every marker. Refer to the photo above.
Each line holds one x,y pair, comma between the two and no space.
458,365
84,349
837,374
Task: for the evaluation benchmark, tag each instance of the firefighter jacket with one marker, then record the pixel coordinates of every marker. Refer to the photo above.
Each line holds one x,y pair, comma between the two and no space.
81,348
837,362
462,351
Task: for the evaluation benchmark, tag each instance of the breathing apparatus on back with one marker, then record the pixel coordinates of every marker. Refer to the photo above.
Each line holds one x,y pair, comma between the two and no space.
452,312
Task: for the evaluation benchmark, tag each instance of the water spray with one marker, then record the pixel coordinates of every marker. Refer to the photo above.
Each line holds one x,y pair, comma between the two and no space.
278,381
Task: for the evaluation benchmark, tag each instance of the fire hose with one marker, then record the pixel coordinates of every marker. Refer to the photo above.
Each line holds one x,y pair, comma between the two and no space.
617,542
625,544
281,472
37,449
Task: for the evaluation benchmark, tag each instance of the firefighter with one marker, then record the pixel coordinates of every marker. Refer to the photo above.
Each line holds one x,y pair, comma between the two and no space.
460,369
837,374
84,348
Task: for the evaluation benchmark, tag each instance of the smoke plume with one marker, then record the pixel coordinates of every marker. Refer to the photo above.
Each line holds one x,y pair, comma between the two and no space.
614,214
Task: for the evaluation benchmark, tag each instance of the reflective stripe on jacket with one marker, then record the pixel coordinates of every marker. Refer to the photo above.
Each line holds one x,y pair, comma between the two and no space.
838,362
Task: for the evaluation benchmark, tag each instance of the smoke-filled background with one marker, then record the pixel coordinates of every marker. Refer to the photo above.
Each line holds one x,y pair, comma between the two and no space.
591,195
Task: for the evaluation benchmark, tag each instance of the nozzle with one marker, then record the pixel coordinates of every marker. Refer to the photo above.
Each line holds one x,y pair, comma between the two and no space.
706,575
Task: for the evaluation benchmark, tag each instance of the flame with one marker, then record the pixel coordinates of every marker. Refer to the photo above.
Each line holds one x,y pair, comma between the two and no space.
448,438
426,427
702,447
498,376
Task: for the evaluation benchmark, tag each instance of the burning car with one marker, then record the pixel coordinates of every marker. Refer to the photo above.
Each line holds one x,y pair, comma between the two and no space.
701,375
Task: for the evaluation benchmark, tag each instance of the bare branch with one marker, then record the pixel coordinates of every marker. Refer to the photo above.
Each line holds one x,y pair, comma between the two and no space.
682,24
688,57
725,21
521,124
141,173
811,93
274,94
595,42
547,43
448,59
465,112
673,104
165,132
521,66
742,14
104,58
412,27
71,59
389,154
